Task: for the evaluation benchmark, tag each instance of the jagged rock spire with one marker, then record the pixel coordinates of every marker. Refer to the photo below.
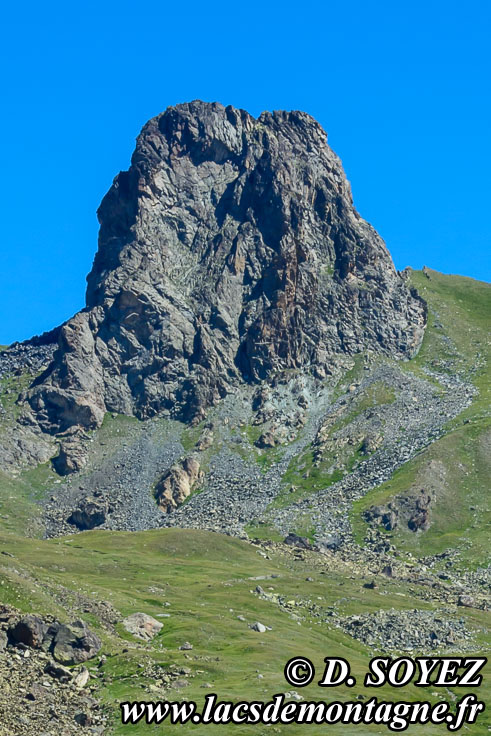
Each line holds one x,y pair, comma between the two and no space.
229,251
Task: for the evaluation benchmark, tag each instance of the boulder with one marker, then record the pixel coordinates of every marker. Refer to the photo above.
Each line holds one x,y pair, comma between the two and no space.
258,626
295,541
74,643
387,516
177,483
72,456
205,441
331,543
90,513
267,439
30,630
142,626
467,601
81,678
58,671
420,521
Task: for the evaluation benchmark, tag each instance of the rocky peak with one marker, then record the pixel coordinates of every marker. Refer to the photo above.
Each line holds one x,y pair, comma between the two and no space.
229,251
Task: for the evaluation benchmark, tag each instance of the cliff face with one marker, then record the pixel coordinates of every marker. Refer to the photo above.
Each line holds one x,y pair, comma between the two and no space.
229,250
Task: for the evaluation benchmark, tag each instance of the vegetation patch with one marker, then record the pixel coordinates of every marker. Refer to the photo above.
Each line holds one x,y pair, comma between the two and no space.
456,341
459,514
205,583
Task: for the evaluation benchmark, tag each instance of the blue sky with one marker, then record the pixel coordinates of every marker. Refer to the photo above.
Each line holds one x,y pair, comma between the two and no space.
402,88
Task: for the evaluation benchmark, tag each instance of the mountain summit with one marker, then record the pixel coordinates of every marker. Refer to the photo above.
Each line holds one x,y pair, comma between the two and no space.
228,252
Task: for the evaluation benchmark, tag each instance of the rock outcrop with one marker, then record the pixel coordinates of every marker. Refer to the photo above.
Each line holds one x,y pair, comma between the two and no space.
229,251
177,483
68,643
90,512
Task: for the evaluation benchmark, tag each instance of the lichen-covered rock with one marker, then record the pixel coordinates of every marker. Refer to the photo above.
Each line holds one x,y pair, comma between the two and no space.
229,251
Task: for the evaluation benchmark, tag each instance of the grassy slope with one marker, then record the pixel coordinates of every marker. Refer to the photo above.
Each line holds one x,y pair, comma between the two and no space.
457,340
304,478
205,578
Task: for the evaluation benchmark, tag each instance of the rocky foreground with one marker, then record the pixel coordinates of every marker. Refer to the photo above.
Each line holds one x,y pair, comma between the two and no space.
39,693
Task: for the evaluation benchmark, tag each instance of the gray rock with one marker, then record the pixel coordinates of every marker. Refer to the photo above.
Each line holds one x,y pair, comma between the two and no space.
81,678
229,251
330,543
393,630
142,626
295,541
83,719
257,626
58,671
74,643
90,513
30,630
467,601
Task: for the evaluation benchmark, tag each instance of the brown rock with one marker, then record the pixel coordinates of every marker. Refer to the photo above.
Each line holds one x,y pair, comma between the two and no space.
90,513
177,483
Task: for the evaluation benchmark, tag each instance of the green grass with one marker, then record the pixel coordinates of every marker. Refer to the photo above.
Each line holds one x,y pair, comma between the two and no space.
456,340
306,477
263,530
190,436
302,478
10,388
203,575
264,457
19,497
377,394
253,432
208,580
462,307
460,516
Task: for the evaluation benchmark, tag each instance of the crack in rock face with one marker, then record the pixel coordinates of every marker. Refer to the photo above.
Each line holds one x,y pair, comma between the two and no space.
229,251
